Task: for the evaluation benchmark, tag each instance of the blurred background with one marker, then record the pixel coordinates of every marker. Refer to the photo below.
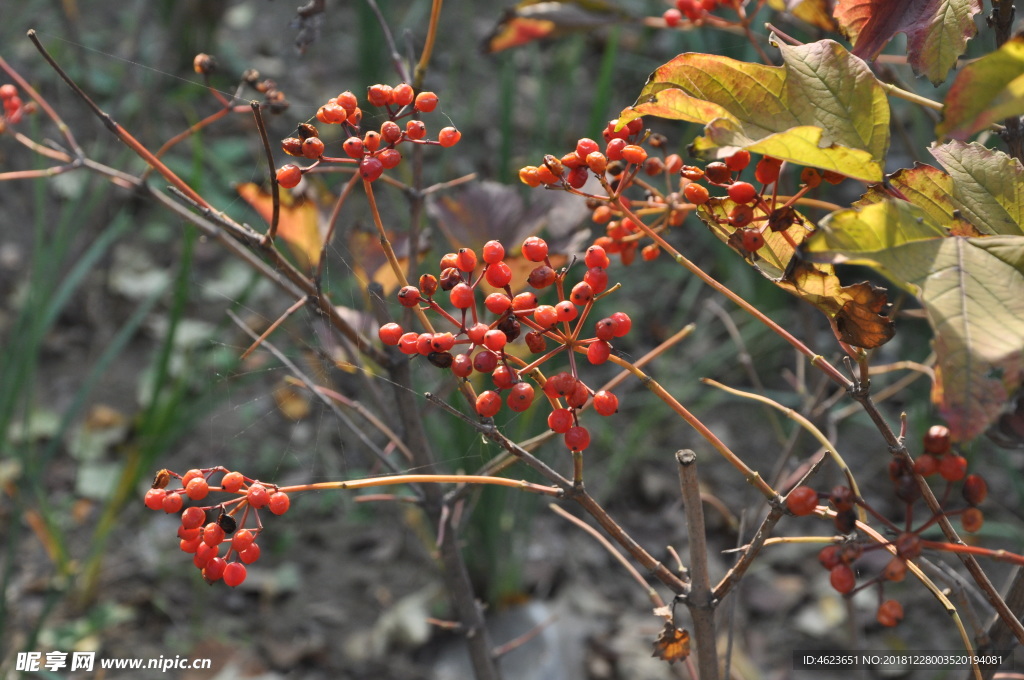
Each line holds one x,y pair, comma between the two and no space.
119,359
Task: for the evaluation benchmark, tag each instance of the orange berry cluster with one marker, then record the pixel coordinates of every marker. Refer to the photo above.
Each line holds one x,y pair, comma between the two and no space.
476,345
839,558
618,166
204,530
14,107
373,151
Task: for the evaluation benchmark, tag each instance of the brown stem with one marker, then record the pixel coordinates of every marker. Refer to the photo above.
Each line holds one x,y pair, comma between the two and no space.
700,600
1001,20
275,189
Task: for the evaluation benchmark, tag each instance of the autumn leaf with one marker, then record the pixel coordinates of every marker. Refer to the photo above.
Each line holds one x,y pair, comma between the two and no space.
534,20
857,312
937,30
815,12
822,108
988,186
298,225
985,91
928,188
972,291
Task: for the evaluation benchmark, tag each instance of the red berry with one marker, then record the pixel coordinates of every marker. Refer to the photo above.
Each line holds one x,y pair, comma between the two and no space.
937,440
390,334
560,420
214,569
380,95
493,252
462,365
193,518
520,397
390,131
371,140
498,274
953,467
353,147
598,352
409,296
751,239
232,482
197,488
597,162
585,147
767,170
613,151
842,578
279,503
535,249
696,194
488,404
190,545
7,90
448,136
495,340
810,177
890,613
975,489
415,129
672,17
621,324
289,175
371,168
524,301
566,311
802,501
606,403
741,216
581,293
312,148
895,570
546,316
577,438
155,499
348,100
462,296
738,162
204,552
605,329
257,495
717,172
596,257
830,555
465,259
597,277
632,153
403,94
408,342
426,102
389,158
172,503
213,534
972,520
250,554
485,362
842,498
497,303
242,539
234,574
926,464
742,192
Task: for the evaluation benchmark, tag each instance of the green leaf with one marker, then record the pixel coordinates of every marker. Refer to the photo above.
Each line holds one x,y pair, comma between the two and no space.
822,108
988,186
937,30
972,291
985,91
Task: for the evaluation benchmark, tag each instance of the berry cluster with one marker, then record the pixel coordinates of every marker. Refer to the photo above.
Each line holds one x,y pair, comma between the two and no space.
908,544
373,151
695,11
14,107
204,530
623,163
475,345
